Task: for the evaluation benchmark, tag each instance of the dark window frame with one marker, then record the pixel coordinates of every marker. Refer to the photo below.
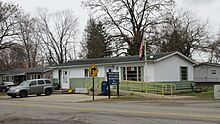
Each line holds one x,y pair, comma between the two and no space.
183,73
86,73
133,73
213,71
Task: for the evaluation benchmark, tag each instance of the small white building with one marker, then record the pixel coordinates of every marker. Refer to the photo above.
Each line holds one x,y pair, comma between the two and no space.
207,72
162,67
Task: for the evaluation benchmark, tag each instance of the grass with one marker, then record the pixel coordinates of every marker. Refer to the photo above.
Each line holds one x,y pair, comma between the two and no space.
209,94
129,98
121,98
3,94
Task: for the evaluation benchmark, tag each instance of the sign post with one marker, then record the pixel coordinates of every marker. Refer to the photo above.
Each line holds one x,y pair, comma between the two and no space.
113,79
93,71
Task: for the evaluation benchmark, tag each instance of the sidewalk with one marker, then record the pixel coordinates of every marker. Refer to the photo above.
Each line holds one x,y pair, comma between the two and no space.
54,98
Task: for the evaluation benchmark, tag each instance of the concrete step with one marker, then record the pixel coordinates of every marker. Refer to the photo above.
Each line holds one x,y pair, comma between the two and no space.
60,92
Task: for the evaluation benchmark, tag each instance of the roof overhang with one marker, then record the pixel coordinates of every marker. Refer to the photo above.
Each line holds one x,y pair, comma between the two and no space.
176,53
102,64
129,62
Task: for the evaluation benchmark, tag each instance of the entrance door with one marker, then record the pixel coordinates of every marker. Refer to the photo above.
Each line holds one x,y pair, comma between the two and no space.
65,83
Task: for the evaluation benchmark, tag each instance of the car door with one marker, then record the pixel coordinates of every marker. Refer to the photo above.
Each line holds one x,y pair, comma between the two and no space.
33,87
41,85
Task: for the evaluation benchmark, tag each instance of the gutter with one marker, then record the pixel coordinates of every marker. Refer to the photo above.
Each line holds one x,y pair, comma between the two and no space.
71,66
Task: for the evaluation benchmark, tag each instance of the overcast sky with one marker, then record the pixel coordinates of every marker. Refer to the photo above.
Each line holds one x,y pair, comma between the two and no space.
204,9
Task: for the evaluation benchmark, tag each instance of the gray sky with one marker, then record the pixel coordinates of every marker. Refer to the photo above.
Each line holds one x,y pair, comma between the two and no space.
204,9
30,6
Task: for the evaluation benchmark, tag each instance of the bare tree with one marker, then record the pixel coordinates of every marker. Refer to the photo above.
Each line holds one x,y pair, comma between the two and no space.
214,50
182,32
12,58
56,31
28,41
9,14
129,19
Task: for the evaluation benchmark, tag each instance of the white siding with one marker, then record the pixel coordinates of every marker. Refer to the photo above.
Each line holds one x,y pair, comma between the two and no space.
149,72
55,73
102,71
203,73
78,72
164,70
169,69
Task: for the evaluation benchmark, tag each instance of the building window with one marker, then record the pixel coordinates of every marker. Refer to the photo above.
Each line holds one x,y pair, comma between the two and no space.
35,76
184,73
6,78
213,71
86,73
131,73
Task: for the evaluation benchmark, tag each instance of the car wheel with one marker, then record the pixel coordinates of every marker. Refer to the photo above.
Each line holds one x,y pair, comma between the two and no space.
48,92
23,94
13,96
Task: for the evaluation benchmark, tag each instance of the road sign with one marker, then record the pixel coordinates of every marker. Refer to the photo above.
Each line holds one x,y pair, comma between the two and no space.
113,78
93,70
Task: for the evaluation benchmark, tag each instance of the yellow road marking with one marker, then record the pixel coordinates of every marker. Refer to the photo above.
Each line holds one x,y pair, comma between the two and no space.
193,116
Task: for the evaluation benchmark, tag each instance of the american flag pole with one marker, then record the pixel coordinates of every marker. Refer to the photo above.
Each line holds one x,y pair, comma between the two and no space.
145,57
145,47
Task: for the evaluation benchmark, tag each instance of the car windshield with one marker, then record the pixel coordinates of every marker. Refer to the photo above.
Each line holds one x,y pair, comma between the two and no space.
24,83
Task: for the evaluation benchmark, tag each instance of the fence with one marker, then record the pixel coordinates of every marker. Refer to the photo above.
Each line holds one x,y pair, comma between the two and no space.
138,86
97,83
148,87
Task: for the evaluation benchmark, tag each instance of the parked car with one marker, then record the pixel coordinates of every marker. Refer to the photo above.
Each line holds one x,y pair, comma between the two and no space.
28,87
5,86
9,83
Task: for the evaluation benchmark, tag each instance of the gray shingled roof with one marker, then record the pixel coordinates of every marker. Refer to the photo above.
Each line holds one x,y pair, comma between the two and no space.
208,64
150,57
23,71
38,70
15,71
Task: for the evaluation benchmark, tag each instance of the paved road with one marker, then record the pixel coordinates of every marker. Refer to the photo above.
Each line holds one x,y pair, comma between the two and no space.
46,110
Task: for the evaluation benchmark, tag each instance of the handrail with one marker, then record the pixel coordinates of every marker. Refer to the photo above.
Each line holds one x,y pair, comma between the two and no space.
155,87
97,84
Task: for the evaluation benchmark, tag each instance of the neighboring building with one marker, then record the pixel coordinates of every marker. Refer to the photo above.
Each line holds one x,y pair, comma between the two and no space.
17,75
1,78
163,67
207,72
38,73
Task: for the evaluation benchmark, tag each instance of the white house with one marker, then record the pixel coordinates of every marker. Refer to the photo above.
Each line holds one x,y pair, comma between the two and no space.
207,72
162,67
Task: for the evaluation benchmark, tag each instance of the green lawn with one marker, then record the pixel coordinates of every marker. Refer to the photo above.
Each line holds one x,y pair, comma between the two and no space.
121,98
203,95
3,94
